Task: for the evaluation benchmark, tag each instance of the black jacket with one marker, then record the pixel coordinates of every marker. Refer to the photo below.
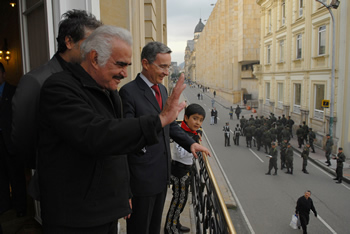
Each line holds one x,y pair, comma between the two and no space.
83,169
150,168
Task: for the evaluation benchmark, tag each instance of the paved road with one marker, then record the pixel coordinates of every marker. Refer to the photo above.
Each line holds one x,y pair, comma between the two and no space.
267,203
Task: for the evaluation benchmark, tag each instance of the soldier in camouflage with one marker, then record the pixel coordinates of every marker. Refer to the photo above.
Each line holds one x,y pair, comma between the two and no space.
289,159
329,144
283,153
305,156
273,159
340,160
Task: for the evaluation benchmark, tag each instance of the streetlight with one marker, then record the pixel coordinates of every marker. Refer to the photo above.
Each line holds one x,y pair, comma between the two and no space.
334,4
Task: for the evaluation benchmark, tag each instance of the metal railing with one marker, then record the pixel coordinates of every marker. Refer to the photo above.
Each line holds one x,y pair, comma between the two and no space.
210,210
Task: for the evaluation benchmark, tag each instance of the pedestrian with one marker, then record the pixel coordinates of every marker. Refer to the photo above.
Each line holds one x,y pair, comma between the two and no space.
90,139
11,166
245,101
305,156
231,112
300,134
181,169
289,159
284,120
226,130
238,111
236,134
302,210
199,96
212,102
267,140
212,116
290,124
258,134
215,116
312,137
340,161
328,151
243,122
273,159
151,167
214,93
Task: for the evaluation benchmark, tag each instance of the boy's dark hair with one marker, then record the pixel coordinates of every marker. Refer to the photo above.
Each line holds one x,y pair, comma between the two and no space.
194,109
73,25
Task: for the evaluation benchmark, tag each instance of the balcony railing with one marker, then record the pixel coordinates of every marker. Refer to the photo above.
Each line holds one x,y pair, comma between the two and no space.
296,109
318,114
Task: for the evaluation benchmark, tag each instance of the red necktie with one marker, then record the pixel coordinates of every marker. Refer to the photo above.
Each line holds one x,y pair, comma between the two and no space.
158,97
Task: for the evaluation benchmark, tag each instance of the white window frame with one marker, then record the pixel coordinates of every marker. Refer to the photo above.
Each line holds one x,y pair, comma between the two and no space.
322,37
299,45
283,12
301,8
281,48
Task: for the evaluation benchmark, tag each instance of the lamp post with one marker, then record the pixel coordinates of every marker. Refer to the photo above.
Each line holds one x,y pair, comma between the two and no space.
334,4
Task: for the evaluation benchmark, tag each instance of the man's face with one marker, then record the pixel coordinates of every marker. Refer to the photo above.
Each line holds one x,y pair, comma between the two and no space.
157,70
110,75
194,122
307,195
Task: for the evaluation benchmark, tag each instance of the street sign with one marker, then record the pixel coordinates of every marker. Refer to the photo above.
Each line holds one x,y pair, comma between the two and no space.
325,103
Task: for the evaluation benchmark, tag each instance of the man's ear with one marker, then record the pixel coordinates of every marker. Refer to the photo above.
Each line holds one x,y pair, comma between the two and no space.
69,42
145,64
93,57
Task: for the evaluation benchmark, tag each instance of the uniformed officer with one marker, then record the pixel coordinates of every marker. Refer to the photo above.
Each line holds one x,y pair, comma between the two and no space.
283,153
289,159
273,159
236,134
290,124
329,144
305,156
340,160
312,137
248,135
279,133
306,131
258,135
300,134
243,122
267,140
286,133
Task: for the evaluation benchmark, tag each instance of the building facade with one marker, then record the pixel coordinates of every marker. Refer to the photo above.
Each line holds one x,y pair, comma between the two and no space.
296,63
228,48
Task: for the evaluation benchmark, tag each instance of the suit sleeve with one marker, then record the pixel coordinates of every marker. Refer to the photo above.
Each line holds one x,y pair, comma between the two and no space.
25,105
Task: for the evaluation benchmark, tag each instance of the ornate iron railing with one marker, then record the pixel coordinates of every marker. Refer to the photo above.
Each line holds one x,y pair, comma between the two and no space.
210,210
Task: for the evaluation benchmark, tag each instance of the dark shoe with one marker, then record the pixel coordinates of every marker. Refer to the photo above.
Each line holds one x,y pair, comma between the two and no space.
21,214
275,173
313,152
338,182
306,172
329,164
335,179
326,162
268,173
183,228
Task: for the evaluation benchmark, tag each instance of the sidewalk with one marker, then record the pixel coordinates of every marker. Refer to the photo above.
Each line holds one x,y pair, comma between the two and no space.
318,158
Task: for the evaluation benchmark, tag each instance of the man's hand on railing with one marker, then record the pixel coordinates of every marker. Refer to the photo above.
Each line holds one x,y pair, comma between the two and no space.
195,147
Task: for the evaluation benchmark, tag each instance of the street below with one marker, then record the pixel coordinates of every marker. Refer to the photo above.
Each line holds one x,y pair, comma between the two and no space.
266,203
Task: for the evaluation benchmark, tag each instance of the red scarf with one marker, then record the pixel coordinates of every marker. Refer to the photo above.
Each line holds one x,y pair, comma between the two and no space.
187,129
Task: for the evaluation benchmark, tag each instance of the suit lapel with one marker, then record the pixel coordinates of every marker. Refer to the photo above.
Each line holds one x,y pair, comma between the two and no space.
148,93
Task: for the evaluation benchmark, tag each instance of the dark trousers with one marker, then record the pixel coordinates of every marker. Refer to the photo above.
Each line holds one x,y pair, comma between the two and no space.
304,221
300,141
180,181
339,172
11,174
272,164
304,164
248,139
328,156
237,139
312,145
237,116
109,228
147,214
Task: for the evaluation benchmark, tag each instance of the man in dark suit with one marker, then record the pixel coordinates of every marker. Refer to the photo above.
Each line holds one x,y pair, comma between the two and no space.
11,168
150,167
73,30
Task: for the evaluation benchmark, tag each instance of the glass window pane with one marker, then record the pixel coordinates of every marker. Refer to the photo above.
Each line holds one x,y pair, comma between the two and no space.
322,40
319,89
267,90
280,92
297,94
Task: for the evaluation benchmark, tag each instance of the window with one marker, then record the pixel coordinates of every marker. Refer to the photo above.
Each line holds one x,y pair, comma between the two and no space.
281,51
300,8
270,21
283,12
319,96
268,53
267,90
297,94
280,92
299,46
322,40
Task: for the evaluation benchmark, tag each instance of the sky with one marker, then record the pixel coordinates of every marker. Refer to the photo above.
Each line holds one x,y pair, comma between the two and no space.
183,16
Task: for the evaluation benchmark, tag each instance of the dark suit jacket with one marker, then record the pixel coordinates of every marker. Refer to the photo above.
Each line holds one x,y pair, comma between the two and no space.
25,106
6,115
150,169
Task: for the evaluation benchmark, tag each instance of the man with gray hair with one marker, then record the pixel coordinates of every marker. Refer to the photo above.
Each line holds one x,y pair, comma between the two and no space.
84,175
150,167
